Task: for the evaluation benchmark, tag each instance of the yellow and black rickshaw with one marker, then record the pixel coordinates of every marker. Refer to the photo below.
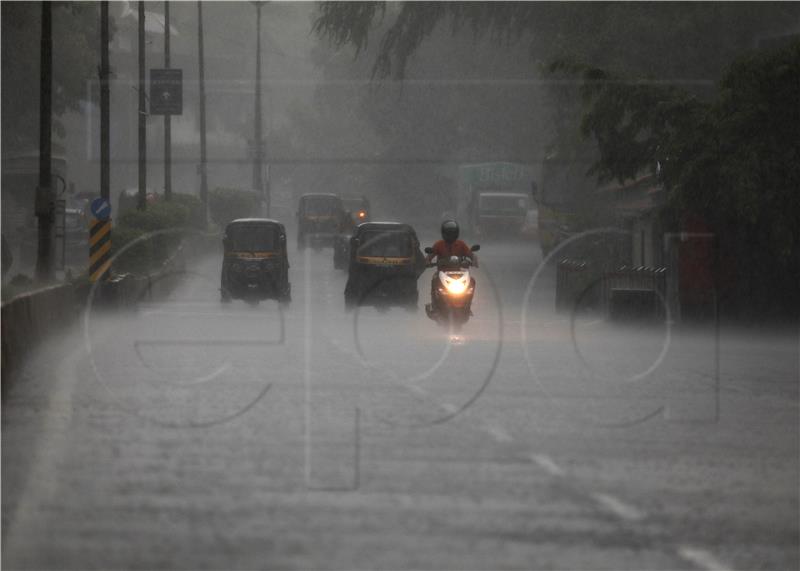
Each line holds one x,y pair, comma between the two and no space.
385,264
255,265
318,219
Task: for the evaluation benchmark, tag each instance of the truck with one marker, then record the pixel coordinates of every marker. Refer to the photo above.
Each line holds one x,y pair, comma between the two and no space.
494,198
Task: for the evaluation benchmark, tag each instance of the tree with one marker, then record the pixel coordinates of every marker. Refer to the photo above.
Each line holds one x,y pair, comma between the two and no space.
658,39
462,102
733,161
76,56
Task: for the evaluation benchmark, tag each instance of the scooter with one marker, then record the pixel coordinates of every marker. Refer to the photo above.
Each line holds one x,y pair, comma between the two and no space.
452,289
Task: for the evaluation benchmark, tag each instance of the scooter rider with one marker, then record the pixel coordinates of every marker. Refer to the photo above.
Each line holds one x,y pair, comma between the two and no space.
450,245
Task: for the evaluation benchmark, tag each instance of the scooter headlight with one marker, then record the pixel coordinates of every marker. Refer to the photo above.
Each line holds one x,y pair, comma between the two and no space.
455,285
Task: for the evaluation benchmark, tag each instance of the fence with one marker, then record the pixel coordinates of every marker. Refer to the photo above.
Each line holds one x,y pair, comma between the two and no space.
576,282
635,292
622,292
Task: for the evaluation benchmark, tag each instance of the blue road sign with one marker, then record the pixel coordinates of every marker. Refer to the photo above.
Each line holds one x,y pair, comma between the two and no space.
101,209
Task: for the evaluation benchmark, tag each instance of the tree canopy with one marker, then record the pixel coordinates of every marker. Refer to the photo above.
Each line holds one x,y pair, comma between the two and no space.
656,39
76,33
734,161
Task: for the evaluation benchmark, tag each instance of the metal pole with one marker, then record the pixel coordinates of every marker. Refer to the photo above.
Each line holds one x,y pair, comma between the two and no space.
203,179
105,137
257,181
141,202
44,193
167,117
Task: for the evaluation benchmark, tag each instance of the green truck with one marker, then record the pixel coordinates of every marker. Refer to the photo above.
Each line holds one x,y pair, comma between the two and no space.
494,198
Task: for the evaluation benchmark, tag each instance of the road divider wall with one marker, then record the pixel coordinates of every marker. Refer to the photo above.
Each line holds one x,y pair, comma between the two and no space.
30,318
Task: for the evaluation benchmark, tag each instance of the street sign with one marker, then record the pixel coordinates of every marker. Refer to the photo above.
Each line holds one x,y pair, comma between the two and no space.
101,209
166,92
499,173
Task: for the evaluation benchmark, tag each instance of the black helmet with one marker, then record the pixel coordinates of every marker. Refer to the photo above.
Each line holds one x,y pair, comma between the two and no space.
449,231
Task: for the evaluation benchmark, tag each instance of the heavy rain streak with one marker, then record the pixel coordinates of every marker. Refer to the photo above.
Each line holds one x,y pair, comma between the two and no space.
403,285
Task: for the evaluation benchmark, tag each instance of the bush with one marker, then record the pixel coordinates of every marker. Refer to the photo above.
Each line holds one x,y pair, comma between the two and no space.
226,204
137,259
196,217
182,212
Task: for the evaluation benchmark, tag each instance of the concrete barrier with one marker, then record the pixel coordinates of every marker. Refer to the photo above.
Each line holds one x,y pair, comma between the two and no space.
29,319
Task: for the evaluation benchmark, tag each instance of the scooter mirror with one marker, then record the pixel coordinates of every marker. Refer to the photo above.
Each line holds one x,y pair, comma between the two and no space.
476,247
429,250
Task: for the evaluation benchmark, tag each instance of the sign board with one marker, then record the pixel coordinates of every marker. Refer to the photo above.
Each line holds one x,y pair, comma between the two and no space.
166,91
499,174
100,208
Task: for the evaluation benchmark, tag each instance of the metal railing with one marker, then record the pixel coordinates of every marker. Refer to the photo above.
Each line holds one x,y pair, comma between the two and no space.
637,278
581,283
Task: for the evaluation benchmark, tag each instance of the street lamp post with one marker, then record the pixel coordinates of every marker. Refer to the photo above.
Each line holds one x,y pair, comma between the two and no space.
44,192
167,117
258,150
141,200
202,86
105,98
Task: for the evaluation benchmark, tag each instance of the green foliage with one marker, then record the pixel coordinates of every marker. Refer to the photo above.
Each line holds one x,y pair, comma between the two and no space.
348,22
162,225
75,59
226,204
652,38
195,215
733,162
157,216
489,43
137,259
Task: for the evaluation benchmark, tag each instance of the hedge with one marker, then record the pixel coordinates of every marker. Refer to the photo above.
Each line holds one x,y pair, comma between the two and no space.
182,212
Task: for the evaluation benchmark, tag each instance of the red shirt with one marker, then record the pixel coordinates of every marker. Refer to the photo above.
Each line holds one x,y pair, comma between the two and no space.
442,249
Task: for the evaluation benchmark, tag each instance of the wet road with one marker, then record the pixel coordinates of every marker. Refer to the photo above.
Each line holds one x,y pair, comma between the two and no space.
188,434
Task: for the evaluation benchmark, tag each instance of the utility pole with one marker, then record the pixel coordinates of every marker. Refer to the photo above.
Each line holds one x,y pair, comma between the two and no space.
105,137
141,202
44,192
258,151
203,179
167,117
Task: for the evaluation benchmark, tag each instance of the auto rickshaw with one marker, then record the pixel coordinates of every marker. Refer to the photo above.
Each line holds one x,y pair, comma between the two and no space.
318,218
385,264
255,265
